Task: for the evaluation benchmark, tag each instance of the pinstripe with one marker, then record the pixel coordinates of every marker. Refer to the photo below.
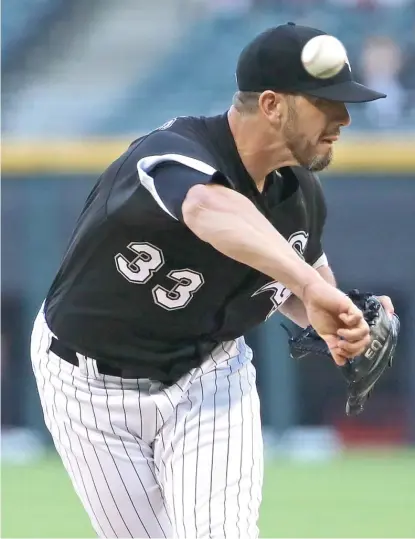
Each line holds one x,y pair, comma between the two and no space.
73,474
227,378
126,452
183,461
252,441
197,449
87,464
66,411
47,417
62,446
95,368
60,422
141,451
161,433
252,454
162,438
242,448
171,445
156,428
70,444
191,405
139,411
171,463
43,378
95,522
42,398
41,339
213,444
229,429
169,399
54,402
113,460
129,458
53,405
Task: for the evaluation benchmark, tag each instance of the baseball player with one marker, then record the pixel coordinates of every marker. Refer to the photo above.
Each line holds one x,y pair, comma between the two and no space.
200,231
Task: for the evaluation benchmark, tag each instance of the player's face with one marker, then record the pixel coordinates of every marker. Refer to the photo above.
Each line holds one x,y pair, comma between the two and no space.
312,126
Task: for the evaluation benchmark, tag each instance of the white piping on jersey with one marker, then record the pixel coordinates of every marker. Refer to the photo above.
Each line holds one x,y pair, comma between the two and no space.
145,165
322,261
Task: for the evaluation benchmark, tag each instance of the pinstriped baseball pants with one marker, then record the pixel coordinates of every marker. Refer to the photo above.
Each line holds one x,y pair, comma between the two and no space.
147,460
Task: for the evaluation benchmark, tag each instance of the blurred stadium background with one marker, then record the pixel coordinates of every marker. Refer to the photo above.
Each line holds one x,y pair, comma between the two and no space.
80,80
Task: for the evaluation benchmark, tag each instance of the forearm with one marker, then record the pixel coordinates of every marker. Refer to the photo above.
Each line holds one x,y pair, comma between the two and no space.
232,225
294,308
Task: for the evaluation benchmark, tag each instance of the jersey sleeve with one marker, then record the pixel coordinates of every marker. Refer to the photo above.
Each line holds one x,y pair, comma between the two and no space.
154,176
168,179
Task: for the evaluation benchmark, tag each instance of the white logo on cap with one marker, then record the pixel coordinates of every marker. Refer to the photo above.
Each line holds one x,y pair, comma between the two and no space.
348,64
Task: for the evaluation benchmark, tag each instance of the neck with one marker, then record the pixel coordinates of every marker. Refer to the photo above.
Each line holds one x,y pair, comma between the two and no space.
260,151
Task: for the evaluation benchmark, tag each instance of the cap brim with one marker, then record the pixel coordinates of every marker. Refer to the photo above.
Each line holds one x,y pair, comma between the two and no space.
348,92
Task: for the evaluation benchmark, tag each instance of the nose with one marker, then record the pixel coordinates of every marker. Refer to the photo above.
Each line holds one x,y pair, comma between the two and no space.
344,116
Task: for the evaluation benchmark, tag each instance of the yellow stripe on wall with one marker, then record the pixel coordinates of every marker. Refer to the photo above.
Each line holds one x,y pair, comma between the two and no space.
386,155
93,156
84,156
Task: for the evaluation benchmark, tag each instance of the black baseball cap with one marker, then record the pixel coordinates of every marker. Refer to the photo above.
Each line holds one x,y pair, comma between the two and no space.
272,61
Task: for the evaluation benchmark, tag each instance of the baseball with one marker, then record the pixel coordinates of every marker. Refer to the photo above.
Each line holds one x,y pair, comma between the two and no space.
323,56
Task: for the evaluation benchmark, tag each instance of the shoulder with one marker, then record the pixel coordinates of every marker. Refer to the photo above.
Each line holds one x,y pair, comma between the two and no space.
178,137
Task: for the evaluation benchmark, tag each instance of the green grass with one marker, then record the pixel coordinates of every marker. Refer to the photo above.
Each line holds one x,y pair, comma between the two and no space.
359,495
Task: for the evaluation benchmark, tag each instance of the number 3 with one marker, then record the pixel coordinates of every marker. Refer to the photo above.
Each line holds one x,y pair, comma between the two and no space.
148,260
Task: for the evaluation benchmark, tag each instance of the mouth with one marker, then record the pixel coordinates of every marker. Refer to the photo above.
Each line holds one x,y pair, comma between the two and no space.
330,139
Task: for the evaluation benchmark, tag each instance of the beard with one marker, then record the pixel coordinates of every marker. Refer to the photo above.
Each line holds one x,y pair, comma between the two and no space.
302,150
320,162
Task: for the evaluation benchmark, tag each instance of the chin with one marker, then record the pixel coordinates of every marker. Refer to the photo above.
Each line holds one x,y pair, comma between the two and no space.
321,162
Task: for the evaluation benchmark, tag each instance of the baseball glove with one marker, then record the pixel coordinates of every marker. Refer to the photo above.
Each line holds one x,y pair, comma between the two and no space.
362,372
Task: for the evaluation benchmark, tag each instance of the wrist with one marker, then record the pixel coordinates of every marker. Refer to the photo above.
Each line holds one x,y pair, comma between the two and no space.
307,282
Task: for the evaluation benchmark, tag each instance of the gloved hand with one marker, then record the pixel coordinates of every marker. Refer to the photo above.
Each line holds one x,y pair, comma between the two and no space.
362,372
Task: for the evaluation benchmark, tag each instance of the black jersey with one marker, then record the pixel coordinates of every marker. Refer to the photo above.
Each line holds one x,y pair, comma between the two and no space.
136,286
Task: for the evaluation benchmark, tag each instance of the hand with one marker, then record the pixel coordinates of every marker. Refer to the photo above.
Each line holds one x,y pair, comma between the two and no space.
337,320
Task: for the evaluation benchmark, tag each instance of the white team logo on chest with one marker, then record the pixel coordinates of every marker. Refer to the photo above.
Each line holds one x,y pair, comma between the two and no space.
280,293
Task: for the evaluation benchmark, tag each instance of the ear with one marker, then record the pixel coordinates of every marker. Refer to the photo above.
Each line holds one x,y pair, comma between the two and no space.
271,105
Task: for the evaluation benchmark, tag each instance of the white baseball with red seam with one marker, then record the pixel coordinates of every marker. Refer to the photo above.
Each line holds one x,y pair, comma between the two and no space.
323,56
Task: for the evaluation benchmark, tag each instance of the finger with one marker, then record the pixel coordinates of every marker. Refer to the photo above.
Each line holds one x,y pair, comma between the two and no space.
354,334
351,319
331,341
337,354
359,323
353,349
339,359
387,304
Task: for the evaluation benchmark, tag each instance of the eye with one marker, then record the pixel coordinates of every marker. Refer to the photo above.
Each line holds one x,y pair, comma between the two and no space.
319,102
323,103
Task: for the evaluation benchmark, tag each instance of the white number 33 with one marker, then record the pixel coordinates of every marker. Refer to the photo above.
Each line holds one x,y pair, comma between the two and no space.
147,261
